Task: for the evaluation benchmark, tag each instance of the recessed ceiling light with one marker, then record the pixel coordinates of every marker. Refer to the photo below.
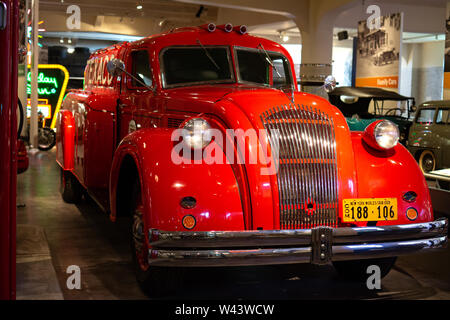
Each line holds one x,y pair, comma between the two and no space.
139,7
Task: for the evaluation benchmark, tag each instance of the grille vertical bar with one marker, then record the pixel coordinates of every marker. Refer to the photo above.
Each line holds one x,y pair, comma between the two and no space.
307,165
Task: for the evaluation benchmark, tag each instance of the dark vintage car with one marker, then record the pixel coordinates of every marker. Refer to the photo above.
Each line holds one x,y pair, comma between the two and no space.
354,103
385,57
429,137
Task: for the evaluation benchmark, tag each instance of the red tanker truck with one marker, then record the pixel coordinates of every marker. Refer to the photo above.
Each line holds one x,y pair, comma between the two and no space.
200,136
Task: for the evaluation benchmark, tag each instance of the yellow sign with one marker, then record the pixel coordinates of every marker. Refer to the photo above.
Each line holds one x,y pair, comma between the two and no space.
43,106
446,80
370,209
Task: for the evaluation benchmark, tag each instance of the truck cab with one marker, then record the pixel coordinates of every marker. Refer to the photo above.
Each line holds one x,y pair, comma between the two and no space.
200,136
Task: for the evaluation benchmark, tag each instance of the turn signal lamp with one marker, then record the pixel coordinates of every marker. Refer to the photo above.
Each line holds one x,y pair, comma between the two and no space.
188,222
196,133
381,135
411,214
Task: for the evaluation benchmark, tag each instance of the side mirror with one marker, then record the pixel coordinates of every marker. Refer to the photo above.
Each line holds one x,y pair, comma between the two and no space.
115,67
329,84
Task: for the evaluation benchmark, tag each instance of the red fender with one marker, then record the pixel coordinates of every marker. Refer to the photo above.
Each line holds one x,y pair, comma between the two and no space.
65,140
390,174
165,184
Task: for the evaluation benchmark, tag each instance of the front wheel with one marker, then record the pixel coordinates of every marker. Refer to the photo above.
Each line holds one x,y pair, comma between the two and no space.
46,139
356,270
152,280
427,161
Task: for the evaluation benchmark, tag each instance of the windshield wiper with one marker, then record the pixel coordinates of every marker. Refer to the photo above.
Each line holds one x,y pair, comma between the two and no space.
269,60
208,55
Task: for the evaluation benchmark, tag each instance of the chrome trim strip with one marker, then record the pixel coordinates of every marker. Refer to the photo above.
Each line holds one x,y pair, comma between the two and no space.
221,258
293,237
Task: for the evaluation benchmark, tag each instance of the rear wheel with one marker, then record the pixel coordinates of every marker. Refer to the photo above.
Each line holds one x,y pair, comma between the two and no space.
427,161
70,188
356,270
152,280
46,139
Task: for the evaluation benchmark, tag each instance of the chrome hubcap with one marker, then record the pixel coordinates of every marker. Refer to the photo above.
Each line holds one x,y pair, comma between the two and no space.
138,231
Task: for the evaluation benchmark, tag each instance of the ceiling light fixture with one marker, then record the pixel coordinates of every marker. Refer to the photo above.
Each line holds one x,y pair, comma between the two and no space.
284,36
139,7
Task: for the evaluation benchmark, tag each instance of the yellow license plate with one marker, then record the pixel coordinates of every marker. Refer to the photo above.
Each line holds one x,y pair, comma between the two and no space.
370,209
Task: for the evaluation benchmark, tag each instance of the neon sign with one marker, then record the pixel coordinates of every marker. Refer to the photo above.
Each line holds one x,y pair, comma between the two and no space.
52,83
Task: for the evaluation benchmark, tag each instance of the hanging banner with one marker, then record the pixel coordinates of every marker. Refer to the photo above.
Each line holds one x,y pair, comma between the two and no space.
52,84
378,52
447,56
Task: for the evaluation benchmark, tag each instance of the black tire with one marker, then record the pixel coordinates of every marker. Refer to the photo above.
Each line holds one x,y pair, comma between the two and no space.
427,161
356,270
70,188
154,281
444,185
21,118
46,139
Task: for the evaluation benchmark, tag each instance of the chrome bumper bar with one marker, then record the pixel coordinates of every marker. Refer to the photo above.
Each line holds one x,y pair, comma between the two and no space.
318,245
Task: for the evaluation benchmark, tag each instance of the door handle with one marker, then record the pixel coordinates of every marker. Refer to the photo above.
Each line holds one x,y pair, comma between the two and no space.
3,16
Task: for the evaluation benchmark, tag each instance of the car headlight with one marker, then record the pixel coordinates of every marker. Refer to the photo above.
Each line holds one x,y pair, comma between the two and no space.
197,133
382,135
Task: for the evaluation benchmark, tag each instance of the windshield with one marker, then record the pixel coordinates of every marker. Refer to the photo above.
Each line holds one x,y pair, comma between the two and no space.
426,116
267,68
196,65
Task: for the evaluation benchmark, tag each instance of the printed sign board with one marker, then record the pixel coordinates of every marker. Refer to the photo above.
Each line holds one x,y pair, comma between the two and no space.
447,55
378,53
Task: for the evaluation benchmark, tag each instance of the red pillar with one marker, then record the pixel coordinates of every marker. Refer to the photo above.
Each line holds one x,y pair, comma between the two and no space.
8,141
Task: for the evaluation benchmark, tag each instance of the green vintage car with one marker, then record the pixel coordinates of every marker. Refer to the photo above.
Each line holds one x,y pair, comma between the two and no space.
429,136
354,103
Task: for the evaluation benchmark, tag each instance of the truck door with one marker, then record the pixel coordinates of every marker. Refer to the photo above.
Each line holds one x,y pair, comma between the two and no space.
137,108
8,138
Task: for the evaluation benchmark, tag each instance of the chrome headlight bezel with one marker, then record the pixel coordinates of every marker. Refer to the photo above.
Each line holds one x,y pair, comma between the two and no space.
386,134
196,133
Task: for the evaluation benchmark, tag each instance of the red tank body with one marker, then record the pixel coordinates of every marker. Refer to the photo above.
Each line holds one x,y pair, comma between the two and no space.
117,133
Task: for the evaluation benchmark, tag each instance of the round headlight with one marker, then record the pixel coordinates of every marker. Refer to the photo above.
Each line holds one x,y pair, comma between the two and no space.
386,134
197,133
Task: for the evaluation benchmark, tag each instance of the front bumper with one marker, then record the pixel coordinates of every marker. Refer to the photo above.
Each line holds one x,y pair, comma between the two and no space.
318,245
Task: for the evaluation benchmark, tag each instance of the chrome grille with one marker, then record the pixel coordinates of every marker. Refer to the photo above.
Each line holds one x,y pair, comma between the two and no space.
307,170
